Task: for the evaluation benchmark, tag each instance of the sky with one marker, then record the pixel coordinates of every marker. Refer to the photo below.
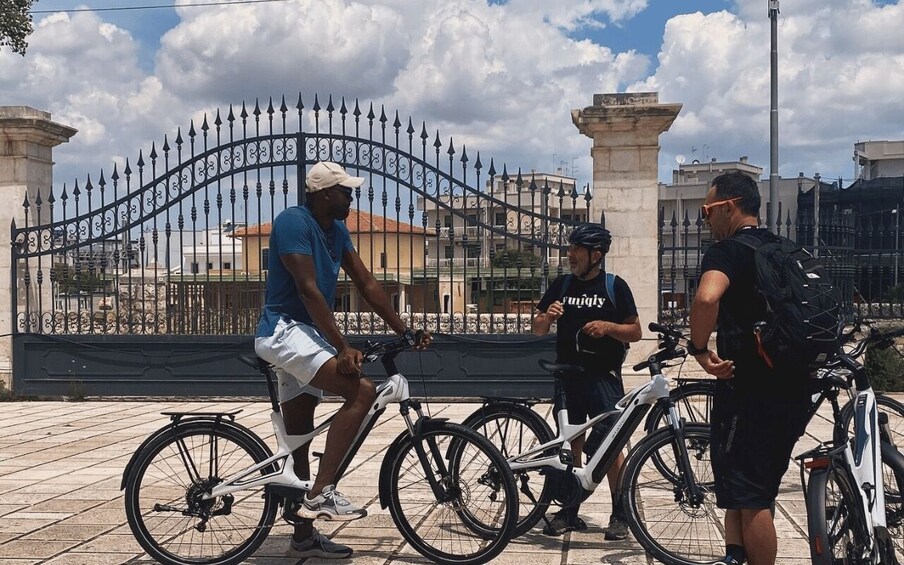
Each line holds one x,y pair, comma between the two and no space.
500,76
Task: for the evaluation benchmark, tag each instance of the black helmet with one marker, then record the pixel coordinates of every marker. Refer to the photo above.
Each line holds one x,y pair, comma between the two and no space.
591,236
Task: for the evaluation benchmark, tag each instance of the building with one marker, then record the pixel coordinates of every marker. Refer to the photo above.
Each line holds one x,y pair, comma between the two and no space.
487,249
393,251
211,251
684,236
878,159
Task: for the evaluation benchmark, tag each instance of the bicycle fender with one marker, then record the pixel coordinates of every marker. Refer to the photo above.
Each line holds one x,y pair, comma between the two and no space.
385,481
169,428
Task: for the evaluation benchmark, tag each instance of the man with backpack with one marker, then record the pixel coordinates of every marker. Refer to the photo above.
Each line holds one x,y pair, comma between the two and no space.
596,319
752,283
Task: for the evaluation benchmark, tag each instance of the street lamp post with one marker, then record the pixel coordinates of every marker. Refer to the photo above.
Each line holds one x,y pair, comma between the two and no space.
897,223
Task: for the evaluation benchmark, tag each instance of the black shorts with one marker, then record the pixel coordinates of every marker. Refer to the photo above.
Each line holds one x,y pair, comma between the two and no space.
587,396
752,440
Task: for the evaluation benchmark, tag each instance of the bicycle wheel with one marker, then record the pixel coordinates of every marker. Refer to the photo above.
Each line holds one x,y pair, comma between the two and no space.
515,429
835,522
456,501
694,401
887,405
663,518
164,489
893,482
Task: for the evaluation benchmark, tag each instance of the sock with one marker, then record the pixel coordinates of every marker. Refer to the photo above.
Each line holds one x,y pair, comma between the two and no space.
735,552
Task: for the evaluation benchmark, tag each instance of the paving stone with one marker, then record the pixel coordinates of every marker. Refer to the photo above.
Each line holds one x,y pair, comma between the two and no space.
62,503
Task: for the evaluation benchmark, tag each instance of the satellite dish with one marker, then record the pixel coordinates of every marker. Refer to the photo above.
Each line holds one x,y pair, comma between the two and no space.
680,159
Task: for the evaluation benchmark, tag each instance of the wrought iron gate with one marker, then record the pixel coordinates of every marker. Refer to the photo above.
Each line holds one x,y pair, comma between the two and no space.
175,243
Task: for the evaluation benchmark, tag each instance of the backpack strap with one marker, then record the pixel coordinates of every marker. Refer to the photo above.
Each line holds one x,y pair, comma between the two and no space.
610,288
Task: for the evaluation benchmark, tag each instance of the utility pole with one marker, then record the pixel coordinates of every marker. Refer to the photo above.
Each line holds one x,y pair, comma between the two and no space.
897,223
773,120
816,216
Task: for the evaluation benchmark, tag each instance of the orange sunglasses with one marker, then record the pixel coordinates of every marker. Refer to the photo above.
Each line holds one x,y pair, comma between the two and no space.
706,207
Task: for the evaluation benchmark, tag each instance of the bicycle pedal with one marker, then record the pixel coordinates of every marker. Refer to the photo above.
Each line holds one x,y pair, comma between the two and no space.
290,512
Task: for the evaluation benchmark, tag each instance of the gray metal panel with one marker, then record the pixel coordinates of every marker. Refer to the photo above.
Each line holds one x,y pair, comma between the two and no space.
199,366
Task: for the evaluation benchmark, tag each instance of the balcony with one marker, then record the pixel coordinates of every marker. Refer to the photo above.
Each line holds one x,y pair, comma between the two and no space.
455,262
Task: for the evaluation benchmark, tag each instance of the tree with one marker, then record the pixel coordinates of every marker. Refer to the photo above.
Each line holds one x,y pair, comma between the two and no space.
515,258
15,24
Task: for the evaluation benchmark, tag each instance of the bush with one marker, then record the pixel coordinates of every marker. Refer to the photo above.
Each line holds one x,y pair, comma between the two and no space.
886,369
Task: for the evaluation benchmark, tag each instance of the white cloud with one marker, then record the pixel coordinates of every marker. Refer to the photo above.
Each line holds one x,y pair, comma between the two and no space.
841,72
499,78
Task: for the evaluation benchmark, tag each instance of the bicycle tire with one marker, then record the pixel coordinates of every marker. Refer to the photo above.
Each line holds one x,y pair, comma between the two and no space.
886,404
514,429
694,401
469,470
834,520
160,485
656,502
893,483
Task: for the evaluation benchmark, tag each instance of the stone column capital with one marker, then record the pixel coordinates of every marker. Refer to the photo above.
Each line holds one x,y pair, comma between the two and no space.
23,123
638,114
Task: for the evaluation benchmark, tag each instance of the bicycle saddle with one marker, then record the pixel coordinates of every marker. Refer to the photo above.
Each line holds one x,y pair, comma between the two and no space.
255,362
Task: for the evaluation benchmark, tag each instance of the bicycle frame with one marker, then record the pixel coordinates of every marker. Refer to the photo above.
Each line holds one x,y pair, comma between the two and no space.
860,458
393,390
632,409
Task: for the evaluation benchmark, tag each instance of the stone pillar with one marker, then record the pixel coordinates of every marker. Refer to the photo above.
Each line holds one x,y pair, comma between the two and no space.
27,139
625,130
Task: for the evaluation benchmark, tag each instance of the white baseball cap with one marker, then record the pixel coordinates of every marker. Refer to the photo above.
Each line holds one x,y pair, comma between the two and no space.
326,174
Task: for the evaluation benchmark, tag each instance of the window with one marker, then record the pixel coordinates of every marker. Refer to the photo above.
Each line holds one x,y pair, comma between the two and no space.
210,266
194,269
382,260
265,259
450,252
472,219
395,301
472,251
500,219
227,266
447,221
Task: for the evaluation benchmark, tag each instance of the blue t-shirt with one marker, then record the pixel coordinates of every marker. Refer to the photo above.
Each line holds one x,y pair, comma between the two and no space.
296,231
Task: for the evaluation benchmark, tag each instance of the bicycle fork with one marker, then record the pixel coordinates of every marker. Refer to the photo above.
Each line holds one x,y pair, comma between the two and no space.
692,491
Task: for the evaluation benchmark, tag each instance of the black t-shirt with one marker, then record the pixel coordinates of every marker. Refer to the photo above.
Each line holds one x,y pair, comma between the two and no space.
587,301
739,309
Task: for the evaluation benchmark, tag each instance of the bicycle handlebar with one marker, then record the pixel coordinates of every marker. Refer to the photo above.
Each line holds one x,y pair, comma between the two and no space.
668,348
373,350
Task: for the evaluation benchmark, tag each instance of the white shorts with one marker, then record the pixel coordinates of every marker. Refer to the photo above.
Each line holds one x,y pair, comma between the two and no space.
296,351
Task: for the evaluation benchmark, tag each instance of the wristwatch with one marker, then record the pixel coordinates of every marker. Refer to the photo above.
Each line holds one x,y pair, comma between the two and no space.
694,350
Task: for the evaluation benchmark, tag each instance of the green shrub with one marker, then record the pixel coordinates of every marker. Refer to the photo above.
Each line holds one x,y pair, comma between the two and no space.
886,369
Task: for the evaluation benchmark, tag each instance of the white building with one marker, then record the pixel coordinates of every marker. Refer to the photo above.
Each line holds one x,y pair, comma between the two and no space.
211,251
877,159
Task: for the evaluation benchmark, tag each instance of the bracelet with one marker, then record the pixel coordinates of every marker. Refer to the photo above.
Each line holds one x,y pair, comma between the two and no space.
694,350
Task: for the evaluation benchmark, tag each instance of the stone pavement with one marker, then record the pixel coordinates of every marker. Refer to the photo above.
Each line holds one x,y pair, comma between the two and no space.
60,503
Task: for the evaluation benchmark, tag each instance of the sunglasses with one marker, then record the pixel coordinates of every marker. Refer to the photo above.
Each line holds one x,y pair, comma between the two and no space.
707,207
348,192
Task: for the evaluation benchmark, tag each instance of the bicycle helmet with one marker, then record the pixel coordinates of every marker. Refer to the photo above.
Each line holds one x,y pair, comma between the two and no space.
591,236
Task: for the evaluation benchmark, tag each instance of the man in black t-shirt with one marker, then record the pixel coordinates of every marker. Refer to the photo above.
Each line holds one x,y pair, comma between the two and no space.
758,413
596,319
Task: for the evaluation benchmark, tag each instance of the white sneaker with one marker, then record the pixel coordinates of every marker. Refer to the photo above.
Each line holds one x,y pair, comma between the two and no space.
330,505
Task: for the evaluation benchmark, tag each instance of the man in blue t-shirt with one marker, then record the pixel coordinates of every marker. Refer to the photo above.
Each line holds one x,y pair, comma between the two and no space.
297,333
595,319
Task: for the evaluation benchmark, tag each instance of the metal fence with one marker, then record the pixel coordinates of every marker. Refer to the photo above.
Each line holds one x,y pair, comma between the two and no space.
858,251
176,241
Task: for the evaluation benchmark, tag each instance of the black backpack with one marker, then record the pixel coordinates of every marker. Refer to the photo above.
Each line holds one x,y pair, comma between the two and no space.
803,312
